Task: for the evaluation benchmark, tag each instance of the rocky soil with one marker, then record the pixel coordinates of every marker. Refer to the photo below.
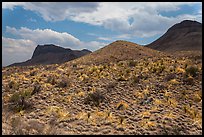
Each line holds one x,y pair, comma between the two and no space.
147,96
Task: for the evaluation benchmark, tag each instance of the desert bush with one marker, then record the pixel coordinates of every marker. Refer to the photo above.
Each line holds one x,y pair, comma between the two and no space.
189,80
192,70
94,98
20,100
36,89
170,77
51,80
62,83
132,63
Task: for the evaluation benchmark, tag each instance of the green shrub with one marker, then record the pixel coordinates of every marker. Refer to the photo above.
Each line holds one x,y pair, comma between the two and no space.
94,98
192,70
20,100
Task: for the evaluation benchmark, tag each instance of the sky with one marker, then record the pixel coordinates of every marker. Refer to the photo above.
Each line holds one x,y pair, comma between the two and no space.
86,25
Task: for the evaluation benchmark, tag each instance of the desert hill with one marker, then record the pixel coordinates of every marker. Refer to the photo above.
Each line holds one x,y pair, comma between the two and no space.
52,54
184,36
118,51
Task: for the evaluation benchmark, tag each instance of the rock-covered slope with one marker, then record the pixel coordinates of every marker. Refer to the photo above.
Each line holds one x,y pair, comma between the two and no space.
52,54
184,36
157,95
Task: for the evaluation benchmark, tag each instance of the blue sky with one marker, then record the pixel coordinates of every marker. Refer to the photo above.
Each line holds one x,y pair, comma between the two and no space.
86,25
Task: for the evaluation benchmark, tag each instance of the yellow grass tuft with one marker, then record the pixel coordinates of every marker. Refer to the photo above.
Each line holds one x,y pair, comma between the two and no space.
122,105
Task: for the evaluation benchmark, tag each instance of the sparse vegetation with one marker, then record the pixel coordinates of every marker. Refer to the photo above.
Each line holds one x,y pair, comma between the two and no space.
192,71
94,98
133,96
20,100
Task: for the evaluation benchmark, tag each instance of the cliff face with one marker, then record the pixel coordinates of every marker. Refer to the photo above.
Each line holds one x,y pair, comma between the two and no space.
183,36
51,54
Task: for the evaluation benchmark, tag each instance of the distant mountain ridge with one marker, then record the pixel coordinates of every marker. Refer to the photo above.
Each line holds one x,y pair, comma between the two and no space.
52,54
183,36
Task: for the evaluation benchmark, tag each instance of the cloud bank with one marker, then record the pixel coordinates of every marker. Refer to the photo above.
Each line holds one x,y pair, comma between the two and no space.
147,20
17,50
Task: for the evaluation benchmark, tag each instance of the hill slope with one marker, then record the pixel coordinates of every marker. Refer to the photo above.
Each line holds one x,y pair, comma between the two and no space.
117,51
184,36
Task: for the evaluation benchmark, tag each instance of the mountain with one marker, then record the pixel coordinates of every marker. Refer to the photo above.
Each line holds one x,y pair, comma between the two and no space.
52,54
117,51
184,36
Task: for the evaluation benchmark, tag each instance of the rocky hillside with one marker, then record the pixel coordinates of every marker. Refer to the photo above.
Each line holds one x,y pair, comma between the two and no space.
135,93
117,51
184,36
52,54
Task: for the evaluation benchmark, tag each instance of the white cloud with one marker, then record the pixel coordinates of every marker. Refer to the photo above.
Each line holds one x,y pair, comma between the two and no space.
114,16
45,36
104,38
11,5
55,11
16,50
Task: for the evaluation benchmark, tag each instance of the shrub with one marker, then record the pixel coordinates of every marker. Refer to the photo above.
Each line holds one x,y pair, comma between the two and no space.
20,101
192,70
94,98
62,84
188,80
36,89
170,77
51,80
132,63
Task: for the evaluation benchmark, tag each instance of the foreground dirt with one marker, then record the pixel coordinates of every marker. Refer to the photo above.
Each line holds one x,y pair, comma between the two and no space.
152,95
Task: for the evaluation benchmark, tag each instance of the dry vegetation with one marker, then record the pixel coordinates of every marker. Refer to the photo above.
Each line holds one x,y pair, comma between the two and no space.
150,95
